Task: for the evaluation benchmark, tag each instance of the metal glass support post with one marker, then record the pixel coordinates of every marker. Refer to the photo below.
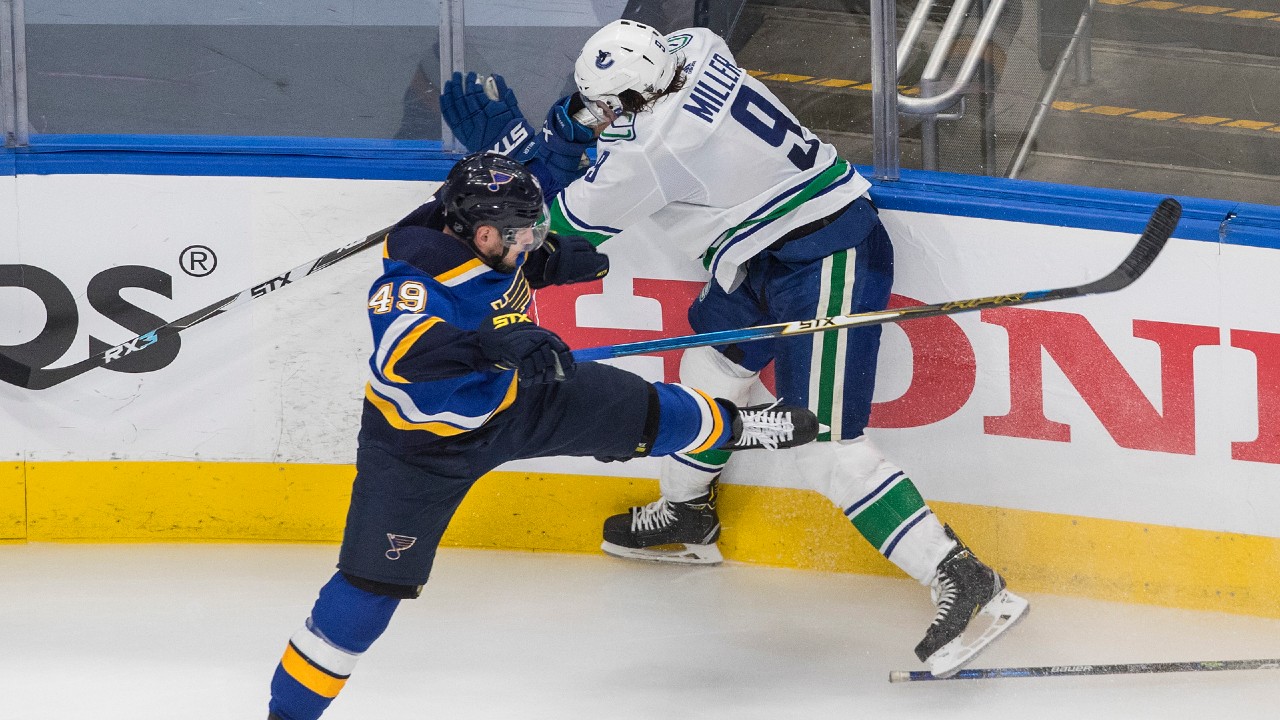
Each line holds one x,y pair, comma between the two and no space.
884,89
21,128
8,102
987,101
452,59
1084,53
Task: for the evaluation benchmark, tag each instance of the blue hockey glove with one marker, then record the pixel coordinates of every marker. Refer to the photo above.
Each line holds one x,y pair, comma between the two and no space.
564,260
564,140
484,115
561,123
511,341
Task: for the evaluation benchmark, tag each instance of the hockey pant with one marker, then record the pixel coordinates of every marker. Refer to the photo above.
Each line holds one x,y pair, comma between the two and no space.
878,498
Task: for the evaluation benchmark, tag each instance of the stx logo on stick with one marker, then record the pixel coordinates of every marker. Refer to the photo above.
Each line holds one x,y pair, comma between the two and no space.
272,284
816,323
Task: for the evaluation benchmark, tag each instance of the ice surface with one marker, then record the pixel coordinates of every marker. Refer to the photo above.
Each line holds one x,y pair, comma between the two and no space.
193,631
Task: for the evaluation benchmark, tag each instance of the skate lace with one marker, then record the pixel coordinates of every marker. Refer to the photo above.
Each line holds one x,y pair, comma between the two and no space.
655,515
765,427
944,596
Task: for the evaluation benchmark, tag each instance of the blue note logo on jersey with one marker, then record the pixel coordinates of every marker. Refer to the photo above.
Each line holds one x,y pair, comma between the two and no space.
497,179
604,60
399,543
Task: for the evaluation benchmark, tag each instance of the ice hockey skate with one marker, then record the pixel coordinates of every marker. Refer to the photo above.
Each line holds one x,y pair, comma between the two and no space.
663,531
772,427
686,532
974,608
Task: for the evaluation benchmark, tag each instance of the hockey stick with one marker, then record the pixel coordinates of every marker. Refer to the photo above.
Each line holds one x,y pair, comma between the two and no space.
1159,228
896,676
17,373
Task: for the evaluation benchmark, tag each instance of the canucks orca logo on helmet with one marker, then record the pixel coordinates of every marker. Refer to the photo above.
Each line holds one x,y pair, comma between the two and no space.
604,60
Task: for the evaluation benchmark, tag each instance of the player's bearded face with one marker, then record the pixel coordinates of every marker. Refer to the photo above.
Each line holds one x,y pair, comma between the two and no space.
517,241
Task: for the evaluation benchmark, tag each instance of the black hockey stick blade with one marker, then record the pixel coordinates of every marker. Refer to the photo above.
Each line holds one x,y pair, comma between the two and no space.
1158,231
897,676
15,372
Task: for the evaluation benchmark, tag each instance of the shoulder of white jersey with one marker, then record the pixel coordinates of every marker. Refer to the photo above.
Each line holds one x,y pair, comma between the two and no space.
690,44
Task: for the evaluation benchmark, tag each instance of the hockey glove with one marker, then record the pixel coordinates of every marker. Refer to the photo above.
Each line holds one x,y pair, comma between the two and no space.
565,141
511,341
564,260
483,114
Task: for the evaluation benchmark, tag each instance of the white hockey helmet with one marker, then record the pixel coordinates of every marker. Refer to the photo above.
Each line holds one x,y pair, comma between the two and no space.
623,55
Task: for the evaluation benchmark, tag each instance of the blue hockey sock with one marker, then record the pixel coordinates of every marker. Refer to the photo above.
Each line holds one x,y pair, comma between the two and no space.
321,655
690,420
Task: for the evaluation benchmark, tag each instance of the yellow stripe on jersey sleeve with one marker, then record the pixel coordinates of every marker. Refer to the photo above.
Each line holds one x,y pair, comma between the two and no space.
451,277
402,348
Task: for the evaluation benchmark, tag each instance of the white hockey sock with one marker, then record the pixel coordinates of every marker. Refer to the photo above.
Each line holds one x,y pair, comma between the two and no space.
880,500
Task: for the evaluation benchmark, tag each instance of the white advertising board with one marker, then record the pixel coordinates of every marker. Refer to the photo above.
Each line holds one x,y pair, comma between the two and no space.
1159,404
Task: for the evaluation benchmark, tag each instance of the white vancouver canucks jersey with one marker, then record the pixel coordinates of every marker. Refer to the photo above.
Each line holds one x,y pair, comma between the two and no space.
722,167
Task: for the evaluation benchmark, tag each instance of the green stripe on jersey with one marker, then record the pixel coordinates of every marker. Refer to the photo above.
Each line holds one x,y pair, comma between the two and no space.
562,225
815,186
830,341
878,521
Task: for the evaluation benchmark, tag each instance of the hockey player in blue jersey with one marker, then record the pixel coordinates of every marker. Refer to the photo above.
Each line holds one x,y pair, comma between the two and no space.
691,144
462,381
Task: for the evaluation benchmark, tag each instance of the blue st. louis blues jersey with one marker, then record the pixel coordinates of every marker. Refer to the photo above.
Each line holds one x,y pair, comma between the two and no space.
428,379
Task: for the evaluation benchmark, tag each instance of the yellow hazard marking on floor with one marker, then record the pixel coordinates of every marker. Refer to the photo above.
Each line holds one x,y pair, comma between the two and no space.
1155,115
1068,106
784,77
1215,10
1059,105
835,83
1108,110
1204,120
1249,124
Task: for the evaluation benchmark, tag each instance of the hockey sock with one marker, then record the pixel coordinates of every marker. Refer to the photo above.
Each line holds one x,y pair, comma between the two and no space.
686,477
321,655
689,420
894,518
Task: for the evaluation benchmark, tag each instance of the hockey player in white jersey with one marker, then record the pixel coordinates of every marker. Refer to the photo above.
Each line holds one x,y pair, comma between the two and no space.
696,153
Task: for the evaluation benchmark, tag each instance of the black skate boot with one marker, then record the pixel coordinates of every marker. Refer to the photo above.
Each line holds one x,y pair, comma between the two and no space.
674,532
772,427
965,589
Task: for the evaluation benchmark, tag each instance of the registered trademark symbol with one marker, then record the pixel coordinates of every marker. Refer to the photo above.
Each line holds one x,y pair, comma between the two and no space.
198,261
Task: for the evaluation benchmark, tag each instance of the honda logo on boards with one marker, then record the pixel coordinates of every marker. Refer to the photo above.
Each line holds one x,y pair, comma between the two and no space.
944,369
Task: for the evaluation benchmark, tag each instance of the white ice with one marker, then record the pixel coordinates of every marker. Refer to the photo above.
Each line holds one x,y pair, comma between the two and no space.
193,632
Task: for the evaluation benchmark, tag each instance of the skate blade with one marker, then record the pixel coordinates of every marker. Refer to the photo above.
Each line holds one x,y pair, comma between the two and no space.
682,554
1001,613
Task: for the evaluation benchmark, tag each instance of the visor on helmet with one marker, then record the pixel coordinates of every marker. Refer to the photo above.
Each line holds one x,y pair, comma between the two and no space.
529,238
